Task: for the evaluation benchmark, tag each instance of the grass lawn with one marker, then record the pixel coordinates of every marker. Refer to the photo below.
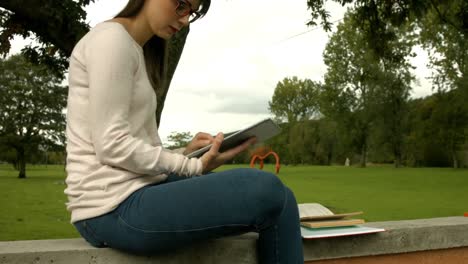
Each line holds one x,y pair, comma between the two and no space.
34,208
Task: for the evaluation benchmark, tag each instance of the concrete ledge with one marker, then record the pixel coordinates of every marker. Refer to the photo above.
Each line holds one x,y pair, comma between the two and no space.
240,249
401,237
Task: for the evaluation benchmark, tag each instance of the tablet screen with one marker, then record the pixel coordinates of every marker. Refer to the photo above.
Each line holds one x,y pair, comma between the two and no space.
263,130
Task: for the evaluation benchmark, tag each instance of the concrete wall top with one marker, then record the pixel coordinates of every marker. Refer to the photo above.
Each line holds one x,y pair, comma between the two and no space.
400,237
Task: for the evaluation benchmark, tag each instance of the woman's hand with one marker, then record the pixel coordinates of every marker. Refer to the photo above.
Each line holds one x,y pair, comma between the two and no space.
199,141
213,159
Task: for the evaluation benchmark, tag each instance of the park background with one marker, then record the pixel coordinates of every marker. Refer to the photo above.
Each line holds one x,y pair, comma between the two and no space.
370,99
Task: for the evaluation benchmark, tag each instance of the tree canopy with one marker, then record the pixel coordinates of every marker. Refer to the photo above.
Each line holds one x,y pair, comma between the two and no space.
31,108
294,99
57,26
381,13
179,139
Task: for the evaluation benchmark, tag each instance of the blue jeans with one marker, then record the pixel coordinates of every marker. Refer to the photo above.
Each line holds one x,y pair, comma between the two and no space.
180,211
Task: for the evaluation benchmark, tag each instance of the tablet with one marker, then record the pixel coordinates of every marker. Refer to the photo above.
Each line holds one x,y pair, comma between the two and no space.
263,130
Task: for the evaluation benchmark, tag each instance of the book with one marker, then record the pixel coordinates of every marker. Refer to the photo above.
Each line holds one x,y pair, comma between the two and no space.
263,130
332,223
317,221
314,233
316,211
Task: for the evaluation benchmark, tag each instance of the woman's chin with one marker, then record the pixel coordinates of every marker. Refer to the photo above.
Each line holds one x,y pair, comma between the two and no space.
166,35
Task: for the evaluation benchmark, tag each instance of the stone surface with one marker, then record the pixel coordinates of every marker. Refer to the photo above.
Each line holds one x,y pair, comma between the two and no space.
400,237
235,250
443,256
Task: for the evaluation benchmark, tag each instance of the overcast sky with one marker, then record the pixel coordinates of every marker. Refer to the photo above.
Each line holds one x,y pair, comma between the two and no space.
234,57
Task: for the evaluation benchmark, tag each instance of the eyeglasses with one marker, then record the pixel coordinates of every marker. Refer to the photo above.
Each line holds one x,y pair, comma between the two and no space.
184,8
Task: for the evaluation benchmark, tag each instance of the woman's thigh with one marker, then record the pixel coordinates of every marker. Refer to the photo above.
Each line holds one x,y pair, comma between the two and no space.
178,212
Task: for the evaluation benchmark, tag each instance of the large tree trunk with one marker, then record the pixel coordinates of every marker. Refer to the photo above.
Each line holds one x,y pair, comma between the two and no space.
176,46
21,159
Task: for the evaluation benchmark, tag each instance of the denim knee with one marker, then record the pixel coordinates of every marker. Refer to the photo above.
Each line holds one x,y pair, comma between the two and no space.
268,194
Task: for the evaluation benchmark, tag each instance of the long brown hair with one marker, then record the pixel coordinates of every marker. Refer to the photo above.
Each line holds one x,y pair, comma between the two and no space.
155,49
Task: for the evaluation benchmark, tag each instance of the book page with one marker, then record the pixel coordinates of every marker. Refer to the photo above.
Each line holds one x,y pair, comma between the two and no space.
313,209
310,233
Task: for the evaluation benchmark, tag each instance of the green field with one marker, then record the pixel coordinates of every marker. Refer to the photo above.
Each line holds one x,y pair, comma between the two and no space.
34,208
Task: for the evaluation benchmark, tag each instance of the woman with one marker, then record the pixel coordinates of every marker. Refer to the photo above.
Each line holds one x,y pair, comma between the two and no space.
125,190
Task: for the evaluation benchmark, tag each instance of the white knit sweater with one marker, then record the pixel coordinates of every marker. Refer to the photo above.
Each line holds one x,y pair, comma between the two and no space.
113,146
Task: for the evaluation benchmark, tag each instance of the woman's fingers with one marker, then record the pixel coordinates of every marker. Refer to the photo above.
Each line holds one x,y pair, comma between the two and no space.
198,144
245,145
230,153
204,136
200,140
209,158
217,143
213,159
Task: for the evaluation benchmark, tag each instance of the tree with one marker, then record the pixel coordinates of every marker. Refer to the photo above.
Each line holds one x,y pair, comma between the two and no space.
380,14
393,109
294,100
444,33
395,80
312,142
8,155
431,137
31,108
280,145
350,86
300,143
57,26
179,140
449,121
327,138
359,83
443,29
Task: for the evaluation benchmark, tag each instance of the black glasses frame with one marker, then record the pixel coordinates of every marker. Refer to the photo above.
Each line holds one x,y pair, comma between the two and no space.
184,8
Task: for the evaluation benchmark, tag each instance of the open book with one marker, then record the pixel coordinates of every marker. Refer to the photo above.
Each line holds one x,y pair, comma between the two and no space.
315,211
263,130
317,221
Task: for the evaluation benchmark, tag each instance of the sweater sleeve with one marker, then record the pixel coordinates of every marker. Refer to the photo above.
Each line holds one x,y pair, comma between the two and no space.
112,60
178,150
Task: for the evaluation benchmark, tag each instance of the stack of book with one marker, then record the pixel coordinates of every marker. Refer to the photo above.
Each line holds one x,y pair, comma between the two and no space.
317,221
